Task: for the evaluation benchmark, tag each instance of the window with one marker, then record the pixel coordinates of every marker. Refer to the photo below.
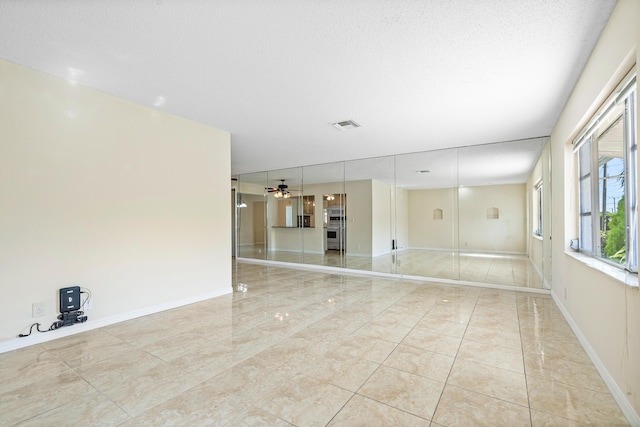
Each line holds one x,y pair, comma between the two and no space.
607,166
537,210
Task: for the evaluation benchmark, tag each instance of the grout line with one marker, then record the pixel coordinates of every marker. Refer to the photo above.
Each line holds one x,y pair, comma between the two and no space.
524,365
455,358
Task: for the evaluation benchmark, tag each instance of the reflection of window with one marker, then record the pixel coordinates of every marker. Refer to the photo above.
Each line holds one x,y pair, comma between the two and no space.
493,213
289,216
437,214
607,168
537,210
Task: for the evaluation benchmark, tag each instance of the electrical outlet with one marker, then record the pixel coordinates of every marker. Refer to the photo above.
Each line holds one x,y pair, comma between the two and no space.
37,309
88,305
565,293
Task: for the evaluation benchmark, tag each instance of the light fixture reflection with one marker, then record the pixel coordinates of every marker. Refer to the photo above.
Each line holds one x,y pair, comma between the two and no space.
281,317
73,74
282,194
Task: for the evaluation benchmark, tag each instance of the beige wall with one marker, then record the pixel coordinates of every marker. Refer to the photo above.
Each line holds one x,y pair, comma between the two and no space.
464,219
402,218
427,232
359,217
246,218
102,193
505,234
380,218
605,311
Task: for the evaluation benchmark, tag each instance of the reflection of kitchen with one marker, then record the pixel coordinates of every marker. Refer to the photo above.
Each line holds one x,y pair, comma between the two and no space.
335,224
321,219
288,208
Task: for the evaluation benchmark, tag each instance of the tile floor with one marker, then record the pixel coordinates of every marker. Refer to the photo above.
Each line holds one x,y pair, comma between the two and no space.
306,348
498,269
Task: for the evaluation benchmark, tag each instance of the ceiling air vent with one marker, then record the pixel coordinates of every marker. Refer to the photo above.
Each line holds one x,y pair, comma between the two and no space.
347,124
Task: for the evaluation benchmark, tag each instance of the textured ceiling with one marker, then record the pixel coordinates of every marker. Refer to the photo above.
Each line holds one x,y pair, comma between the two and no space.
416,74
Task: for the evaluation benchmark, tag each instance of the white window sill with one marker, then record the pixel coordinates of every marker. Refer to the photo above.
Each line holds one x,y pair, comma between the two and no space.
616,273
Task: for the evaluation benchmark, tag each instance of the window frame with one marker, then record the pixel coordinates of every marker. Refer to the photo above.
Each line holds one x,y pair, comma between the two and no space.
588,177
538,225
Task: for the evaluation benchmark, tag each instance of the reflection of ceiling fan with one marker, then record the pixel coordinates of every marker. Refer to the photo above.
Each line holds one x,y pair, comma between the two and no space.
281,191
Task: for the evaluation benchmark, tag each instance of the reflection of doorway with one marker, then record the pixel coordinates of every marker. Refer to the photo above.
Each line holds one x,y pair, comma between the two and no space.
258,223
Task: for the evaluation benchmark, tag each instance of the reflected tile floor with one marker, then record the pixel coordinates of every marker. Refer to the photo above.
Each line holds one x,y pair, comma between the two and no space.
497,269
307,348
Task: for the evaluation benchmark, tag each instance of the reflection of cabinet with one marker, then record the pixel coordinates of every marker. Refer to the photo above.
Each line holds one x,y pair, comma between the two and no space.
297,212
336,200
304,220
309,210
309,204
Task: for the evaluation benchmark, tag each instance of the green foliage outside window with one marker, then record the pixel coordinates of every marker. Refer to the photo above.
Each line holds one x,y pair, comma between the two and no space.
615,237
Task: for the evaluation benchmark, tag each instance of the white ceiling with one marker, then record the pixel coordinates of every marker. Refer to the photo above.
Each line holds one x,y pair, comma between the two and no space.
416,74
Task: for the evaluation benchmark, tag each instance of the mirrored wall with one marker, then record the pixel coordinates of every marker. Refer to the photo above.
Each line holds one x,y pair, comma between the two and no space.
475,214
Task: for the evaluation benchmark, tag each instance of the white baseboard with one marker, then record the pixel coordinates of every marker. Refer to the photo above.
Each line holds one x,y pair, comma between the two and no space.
37,338
377,254
617,393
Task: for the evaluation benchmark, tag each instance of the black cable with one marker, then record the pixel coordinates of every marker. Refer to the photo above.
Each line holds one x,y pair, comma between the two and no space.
53,326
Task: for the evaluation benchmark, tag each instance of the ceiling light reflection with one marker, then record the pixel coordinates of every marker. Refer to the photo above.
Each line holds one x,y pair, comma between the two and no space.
73,74
159,102
281,317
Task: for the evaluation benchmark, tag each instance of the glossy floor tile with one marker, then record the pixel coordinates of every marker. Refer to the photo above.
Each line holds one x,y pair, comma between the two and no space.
497,269
308,348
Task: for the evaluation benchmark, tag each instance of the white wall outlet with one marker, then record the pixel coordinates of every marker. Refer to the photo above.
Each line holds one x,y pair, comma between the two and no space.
88,305
565,293
37,309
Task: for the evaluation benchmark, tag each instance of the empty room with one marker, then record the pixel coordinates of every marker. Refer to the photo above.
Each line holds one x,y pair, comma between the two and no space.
344,213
